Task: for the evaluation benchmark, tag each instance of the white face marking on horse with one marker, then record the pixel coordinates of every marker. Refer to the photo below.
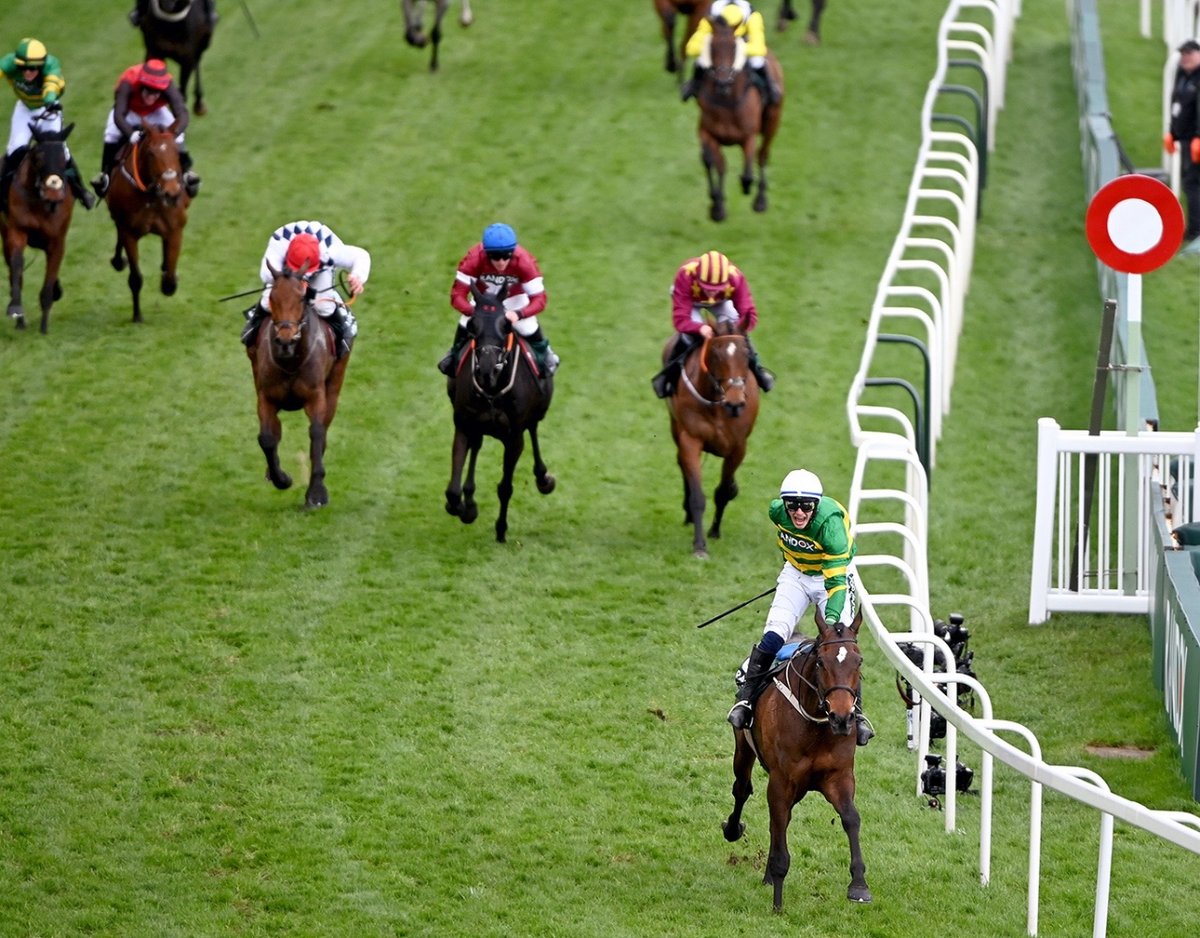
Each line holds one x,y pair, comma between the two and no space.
841,654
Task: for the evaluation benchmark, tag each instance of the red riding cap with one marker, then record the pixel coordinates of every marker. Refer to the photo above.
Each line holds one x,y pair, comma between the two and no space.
154,74
303,254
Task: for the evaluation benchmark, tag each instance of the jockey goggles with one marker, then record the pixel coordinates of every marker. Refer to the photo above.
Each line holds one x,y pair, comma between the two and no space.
499,255
806,505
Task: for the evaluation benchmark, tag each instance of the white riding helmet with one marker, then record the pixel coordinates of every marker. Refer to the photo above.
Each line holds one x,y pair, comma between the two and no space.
800,483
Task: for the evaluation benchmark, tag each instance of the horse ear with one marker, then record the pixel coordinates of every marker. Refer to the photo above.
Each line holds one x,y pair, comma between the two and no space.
273,271
476,292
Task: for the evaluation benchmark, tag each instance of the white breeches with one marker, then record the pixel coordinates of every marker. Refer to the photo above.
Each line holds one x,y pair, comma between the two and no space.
19,132
526,327
795,592
163,117
724,311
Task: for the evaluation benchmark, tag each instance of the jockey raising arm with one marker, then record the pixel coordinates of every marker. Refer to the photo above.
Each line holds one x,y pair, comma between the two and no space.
36,78
312,248
709,286
813,532
748,25
497,261
145,96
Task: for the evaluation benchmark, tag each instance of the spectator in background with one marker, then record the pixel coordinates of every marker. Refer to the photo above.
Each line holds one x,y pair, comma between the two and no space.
1185,102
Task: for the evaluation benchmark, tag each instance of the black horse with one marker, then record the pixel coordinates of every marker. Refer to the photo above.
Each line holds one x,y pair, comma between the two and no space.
497,391
179,30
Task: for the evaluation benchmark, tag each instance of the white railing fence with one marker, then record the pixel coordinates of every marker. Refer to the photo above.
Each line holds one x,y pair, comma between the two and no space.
923,287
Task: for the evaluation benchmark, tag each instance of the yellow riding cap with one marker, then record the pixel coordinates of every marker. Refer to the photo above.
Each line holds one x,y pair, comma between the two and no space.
30,54
713,271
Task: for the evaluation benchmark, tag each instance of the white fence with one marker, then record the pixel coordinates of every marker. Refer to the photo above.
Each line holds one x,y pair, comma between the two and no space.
923,286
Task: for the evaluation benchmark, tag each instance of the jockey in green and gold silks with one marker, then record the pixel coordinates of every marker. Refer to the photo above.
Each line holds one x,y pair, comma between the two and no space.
36,78
813,532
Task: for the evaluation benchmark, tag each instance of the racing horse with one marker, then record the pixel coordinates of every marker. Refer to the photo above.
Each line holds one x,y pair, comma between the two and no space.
295,366
804,736
37,214
787,13
667,11
733,113
146,196
713,409
414,32
497,391
179,30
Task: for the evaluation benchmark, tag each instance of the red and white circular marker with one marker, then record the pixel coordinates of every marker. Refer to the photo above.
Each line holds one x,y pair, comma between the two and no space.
1134,223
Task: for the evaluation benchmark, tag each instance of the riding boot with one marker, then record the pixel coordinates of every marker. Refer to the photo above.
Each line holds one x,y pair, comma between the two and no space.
108,159
691,87
446,365
191,182
540,346
75,181
770,91
665,381
765,378
865,730
255,316
343,332
742,714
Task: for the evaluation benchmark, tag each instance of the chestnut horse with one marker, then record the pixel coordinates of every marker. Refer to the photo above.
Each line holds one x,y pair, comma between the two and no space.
787,13
414,32
497,392
296,366
668,10
804,735
179,30
732,113
146,196
713,410
37,214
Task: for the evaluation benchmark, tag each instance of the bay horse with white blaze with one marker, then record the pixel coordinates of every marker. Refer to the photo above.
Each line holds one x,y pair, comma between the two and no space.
804,736
414,31
497,391
37,214
296,366
146,196
179,30
733,112
713,409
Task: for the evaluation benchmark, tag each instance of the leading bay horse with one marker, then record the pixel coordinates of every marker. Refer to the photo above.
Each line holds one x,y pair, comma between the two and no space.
497,391
804,736
414,31
146,196
179,30
668,10
713,409
733,113
37,214
295,366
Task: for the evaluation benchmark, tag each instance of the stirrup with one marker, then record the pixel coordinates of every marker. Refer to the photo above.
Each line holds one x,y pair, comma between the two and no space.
446,365
741,715
865,730
100,184
765,379
191,184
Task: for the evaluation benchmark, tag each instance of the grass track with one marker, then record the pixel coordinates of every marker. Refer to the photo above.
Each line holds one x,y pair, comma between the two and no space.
223,715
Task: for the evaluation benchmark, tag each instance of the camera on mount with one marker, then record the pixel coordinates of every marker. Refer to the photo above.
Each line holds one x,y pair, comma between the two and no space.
955,635
933,779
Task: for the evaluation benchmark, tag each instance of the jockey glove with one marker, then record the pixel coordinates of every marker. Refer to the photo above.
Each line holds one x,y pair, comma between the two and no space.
1169,143
1195,149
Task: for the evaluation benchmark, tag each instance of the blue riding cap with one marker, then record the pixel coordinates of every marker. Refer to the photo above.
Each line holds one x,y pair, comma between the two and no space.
499,237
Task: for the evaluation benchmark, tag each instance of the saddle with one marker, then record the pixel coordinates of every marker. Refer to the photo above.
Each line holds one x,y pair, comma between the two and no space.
782,657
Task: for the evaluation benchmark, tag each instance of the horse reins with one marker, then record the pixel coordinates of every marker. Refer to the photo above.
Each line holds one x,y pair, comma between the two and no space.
512,378
822,695
720,386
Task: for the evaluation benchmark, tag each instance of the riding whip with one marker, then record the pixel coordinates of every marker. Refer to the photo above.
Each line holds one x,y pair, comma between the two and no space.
736,608
234,296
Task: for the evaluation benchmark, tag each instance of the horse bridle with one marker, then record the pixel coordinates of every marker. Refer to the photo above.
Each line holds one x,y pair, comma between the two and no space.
817,688
135,177
722,385
506,359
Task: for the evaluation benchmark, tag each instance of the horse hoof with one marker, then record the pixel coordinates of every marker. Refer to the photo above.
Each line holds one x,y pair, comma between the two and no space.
747,184
118,263
56,293
20,321
415,39
733,833
466,19
316,501
546,484
717,213
169,286
200,109
858,894
812,39
700,553
469,513
760,204
281,482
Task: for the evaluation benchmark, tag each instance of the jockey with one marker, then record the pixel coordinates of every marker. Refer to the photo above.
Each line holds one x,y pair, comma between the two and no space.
812,531
313,249
498,261
37,80
747,24
145,96
709,284
142,7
